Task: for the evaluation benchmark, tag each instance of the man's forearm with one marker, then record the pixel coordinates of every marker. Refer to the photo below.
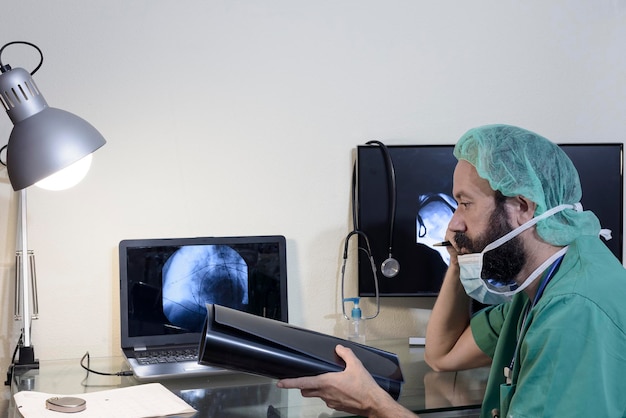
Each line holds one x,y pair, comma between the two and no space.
449,319
383,406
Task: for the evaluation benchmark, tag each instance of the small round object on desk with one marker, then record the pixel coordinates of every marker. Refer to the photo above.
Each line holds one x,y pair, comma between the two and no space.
66,404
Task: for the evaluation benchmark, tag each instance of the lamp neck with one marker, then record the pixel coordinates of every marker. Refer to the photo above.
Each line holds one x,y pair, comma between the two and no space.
19,94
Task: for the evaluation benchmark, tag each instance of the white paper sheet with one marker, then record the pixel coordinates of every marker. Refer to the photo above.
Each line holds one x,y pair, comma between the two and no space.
141,401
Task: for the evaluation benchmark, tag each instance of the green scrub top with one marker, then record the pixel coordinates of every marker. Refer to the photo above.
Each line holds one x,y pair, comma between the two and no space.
572,356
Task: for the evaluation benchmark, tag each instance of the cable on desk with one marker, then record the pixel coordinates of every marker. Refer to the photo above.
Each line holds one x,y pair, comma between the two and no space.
120,373
19,341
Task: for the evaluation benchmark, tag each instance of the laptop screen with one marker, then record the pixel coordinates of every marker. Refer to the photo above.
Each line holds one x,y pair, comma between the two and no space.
165,284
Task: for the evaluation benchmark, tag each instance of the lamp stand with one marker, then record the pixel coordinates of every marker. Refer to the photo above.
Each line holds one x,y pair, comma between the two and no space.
25,293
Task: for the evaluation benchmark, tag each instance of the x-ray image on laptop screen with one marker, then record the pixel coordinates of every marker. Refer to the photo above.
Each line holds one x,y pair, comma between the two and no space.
167,283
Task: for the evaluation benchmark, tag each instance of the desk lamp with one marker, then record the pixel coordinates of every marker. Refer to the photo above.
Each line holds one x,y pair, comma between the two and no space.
46,146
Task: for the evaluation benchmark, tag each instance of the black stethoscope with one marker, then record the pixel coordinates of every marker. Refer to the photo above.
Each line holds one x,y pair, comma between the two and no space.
390,267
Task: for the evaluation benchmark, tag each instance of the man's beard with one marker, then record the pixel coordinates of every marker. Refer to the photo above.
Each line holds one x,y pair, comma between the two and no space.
500,265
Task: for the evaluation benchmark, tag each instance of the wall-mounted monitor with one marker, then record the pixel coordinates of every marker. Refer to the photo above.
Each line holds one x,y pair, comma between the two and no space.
424,205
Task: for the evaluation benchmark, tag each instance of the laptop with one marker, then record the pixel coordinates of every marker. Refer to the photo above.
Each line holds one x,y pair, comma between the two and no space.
166,283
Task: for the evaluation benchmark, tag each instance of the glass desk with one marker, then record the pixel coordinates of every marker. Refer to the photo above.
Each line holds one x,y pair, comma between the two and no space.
428,393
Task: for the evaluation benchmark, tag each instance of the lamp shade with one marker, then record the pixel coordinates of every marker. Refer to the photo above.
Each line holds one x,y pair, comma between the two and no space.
46,143
44,140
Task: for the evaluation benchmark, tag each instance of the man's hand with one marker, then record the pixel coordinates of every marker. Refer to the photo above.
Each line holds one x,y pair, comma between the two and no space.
352,390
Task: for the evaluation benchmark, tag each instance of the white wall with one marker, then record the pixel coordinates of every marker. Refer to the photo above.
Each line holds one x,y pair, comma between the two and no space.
240,118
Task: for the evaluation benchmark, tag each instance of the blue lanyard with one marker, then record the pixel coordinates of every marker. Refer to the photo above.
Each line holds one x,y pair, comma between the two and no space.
508,372
546,279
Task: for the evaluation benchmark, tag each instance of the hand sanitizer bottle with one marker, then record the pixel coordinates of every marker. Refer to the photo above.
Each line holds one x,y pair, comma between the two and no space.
356,326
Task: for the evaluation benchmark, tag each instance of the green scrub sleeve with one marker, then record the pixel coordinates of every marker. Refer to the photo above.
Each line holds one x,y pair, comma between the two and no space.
486,326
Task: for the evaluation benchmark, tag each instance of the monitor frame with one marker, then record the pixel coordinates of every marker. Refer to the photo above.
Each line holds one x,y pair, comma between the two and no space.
130,339
420,274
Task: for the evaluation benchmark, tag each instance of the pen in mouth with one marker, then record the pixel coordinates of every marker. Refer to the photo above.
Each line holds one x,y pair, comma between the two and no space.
442,244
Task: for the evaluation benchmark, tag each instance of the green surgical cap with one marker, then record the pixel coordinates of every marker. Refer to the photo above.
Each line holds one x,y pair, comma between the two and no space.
519,162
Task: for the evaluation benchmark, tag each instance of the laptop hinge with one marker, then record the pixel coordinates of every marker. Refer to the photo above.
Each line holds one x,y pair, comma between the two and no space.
140,348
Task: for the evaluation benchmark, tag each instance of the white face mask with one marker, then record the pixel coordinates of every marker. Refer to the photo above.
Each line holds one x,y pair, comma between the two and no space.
484,291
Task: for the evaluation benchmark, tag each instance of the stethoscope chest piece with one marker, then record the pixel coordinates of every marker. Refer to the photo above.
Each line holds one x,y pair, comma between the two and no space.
390,267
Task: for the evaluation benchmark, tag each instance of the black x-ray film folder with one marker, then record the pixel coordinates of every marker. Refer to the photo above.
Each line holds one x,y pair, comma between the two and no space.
249,343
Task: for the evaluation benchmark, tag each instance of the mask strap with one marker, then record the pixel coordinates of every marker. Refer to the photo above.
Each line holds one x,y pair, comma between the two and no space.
576,206
535,274
606,234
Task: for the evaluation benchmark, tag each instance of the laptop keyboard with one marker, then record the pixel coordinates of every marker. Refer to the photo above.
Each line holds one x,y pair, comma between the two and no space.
166,356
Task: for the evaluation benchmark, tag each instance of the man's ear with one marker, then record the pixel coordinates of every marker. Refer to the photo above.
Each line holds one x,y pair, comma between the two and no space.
522,209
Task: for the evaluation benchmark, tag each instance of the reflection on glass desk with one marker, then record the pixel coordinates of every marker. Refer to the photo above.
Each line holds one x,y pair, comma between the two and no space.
426,392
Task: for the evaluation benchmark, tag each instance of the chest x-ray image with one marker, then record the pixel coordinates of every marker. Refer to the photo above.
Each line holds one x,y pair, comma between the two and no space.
199,274
434,211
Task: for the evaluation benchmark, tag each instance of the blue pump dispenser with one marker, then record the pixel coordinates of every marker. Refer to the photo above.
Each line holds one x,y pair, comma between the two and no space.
356,327
356,311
